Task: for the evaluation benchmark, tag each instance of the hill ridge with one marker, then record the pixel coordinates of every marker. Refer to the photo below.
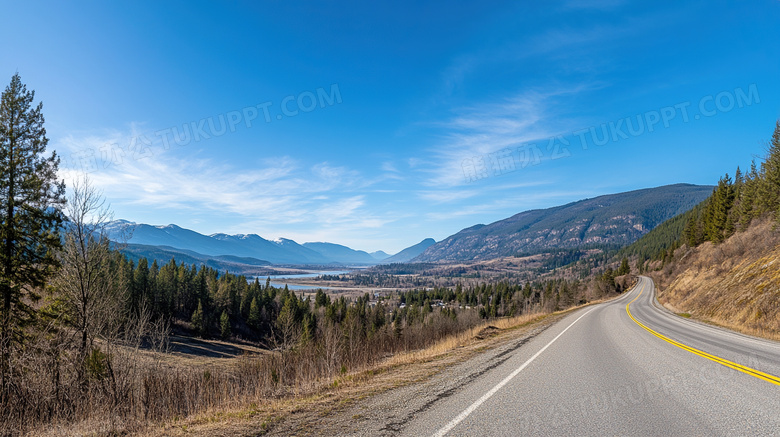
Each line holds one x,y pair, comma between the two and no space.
610,219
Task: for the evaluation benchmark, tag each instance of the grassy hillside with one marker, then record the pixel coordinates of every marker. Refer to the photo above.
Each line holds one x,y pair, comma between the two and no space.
735,284
720,262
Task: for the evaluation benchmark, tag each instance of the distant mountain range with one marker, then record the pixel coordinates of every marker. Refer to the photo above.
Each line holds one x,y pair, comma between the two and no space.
223,251
410,252
341,254
616,219
163,255
379,255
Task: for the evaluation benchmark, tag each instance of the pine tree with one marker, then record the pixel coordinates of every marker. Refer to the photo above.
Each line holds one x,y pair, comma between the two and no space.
254,314
769,187
640,264
747,201
624,268
691,232
321,299
198,320
717,226
140,291
308,329
224,325
30,198
288,321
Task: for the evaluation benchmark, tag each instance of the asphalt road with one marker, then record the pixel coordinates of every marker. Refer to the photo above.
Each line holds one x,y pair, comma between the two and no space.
600,372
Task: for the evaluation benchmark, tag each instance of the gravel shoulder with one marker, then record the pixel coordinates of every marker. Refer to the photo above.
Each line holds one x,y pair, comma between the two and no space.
407,390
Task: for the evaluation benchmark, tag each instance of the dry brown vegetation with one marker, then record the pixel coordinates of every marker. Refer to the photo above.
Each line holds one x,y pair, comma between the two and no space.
143,389
735,284
254,394
330,395
120,386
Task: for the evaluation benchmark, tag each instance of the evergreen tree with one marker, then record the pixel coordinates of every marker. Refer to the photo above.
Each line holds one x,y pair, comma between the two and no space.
739,180
140,291
249,297
769,188
748,193
321,299
717,226
199,320
224,325
308,329
288,320
184,295
254,314
640,264
691,232
624,268
30,198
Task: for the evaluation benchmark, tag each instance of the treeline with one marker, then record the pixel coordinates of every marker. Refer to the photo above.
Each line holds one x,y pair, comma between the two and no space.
660,241
508,298
734,204
384,280
556,258
225,305
214,304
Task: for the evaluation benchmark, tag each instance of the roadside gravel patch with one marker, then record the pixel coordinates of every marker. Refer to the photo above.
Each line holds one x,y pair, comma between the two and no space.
403,392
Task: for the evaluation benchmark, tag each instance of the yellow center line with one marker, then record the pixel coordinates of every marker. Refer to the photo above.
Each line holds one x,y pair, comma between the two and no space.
744,369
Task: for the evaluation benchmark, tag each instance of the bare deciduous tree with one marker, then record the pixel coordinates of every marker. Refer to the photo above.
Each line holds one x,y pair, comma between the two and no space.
86,285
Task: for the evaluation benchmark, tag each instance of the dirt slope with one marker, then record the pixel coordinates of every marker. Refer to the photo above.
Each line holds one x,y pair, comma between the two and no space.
735,284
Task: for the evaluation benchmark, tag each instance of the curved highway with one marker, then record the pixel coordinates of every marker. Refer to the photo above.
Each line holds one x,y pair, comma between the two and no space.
625,367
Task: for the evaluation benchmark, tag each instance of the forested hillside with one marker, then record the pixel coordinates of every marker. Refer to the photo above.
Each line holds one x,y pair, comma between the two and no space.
720,261
731,207
611,220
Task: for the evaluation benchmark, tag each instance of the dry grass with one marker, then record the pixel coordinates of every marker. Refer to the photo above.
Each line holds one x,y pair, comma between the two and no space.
735,284
174,394
328,394
335,394
165,387
464,338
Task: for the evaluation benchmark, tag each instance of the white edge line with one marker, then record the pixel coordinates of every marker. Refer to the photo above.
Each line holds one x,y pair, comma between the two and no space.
460,417
717,330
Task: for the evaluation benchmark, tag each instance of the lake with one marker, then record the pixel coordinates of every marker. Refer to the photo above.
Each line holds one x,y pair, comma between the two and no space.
280,281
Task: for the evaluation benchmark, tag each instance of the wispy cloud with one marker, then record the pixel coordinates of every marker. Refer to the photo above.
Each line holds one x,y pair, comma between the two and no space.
389,172
276,193
487,128
389,167
459,194
539,199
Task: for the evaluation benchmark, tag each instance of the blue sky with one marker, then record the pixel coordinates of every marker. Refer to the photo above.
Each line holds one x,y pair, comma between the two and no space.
378,124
